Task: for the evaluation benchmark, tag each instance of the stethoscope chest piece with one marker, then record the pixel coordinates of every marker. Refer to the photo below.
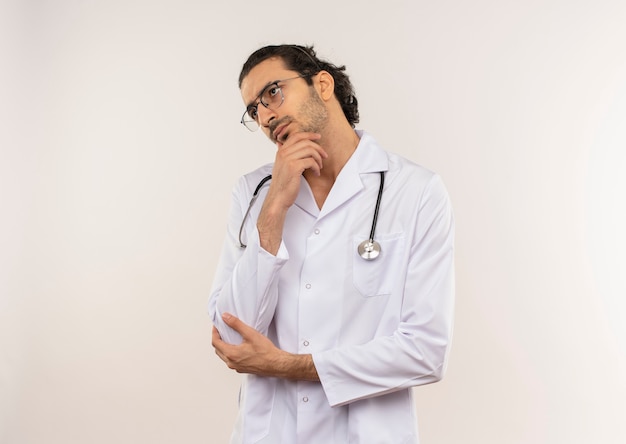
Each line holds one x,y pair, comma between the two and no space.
369,249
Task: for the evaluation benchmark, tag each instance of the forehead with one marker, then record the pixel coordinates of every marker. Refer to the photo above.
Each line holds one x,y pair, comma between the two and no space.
261,75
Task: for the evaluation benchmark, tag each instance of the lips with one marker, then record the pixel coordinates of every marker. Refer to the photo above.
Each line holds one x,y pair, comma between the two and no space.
278,131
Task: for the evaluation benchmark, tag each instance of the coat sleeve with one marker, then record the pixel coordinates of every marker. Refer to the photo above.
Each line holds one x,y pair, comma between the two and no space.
416,353
246,280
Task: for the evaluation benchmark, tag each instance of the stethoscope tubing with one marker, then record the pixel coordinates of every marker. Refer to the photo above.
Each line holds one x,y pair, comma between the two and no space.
368,249
254,197
377,208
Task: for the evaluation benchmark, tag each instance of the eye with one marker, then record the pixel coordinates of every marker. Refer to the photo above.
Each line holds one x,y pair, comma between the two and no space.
273,90
252,112
270,95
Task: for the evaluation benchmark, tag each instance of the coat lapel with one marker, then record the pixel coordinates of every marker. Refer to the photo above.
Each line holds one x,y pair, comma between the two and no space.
367,158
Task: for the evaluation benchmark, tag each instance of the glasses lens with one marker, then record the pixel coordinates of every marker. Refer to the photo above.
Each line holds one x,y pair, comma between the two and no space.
249,122
271,98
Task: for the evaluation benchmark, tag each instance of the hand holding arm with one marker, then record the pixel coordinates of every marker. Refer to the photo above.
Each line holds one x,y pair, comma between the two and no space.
258,355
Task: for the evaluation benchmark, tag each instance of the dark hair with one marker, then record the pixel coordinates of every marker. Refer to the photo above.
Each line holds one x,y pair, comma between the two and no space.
303,60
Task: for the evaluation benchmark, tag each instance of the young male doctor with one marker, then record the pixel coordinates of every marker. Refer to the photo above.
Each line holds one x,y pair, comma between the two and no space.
335,288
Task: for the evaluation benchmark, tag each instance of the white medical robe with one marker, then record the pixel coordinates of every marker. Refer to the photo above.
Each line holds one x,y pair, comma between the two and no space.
374,328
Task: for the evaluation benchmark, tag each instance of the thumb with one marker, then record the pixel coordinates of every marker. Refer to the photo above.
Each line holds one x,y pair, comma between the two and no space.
236,324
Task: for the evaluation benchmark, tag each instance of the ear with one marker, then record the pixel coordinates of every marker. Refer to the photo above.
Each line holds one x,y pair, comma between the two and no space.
325,84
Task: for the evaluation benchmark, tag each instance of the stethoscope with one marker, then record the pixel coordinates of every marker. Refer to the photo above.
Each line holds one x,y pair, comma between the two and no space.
369,249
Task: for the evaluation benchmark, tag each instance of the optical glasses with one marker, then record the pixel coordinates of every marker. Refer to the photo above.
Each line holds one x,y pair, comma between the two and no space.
271,97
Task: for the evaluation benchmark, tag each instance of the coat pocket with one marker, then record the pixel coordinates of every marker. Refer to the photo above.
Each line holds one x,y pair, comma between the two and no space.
378,277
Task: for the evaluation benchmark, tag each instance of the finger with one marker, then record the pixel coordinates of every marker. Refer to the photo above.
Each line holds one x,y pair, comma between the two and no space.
238,325
295,155
302,140
317,157
299,140
220,355
219,346
216,339
299,136
310,164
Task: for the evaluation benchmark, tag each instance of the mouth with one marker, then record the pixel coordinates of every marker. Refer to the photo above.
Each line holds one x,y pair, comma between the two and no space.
278,133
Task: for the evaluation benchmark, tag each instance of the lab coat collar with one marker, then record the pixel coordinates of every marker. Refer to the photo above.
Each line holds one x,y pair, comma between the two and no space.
368,157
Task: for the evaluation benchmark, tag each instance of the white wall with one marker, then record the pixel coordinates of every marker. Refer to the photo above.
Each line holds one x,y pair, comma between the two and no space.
120,141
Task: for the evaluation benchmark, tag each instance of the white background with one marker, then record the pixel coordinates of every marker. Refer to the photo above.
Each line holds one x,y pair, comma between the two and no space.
120,142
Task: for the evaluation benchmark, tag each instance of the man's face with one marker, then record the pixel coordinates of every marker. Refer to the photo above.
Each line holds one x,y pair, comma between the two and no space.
301,110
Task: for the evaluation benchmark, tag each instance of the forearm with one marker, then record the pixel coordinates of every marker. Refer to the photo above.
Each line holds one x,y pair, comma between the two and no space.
258,355
270,226
296,367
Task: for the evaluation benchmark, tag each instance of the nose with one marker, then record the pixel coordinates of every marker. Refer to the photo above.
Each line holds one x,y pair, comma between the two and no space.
265,115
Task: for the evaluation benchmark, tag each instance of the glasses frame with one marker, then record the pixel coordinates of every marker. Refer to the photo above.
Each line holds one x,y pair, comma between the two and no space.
253,125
